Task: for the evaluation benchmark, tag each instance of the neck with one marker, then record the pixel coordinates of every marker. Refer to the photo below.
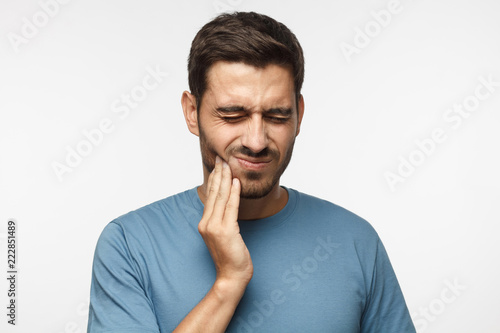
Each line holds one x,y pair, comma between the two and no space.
272,203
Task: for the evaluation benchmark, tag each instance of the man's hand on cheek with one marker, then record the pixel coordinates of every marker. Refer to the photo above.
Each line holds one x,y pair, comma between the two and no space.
220,230
221,233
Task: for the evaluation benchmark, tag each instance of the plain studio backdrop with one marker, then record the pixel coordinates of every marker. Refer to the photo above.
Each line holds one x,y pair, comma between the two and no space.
401,127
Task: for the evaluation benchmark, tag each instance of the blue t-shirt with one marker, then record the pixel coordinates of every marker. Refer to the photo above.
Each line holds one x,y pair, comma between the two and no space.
317,268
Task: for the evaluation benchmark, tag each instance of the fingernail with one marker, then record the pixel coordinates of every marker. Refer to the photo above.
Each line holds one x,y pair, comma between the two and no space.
217,159
225,165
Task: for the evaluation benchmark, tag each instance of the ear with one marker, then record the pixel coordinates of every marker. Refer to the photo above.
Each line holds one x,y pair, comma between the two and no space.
188,102
300,113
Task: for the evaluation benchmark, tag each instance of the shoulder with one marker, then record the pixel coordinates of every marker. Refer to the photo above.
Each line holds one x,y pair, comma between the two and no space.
327,213
158,211
153,218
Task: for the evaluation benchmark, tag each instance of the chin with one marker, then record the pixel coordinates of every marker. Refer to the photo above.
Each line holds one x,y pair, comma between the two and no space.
252,189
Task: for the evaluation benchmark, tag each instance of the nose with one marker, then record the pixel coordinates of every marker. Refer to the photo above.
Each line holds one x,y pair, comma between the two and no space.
255,136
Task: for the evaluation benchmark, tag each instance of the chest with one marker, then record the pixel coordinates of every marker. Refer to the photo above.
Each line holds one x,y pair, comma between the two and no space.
310,285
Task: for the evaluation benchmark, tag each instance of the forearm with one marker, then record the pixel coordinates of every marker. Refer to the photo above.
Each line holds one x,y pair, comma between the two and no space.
215,310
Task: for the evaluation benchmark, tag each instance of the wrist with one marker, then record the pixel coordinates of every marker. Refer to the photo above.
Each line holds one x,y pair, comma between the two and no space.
230,290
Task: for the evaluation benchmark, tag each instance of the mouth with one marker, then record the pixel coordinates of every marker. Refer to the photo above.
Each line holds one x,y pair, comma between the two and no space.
253,164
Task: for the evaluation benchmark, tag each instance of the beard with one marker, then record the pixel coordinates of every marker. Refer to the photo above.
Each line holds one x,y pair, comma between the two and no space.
254,184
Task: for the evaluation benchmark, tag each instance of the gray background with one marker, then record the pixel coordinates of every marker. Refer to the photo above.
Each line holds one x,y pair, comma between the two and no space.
364,113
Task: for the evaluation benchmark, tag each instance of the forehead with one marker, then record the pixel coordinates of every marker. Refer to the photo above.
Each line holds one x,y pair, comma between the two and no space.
239,83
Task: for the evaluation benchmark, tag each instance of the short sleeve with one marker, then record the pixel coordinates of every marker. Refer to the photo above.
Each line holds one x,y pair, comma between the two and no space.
118,301
386,309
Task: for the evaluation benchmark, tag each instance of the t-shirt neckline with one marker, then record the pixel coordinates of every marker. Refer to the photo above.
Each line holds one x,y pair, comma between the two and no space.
260,224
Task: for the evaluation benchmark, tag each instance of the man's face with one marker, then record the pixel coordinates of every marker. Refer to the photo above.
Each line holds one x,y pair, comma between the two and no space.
249,118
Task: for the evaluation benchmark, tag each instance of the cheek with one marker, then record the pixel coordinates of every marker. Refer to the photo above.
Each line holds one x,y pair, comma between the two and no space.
223,139
283,137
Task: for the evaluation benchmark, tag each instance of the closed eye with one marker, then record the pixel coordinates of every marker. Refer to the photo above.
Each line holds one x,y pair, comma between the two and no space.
278,120
233,119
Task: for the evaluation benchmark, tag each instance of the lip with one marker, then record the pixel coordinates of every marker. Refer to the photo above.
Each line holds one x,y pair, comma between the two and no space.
253,164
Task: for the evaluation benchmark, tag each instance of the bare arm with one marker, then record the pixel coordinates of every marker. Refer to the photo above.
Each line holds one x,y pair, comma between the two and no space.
220,231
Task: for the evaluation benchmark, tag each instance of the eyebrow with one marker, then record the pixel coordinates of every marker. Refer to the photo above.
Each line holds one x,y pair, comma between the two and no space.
229,109
237,108
279,111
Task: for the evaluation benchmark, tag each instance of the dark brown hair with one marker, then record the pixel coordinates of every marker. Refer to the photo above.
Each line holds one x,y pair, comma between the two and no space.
251,38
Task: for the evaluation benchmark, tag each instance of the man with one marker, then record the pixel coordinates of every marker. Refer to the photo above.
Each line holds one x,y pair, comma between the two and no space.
269,259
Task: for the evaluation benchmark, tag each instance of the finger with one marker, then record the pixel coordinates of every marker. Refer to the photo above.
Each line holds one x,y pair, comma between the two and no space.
211,175
233,204
223,194
213,185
